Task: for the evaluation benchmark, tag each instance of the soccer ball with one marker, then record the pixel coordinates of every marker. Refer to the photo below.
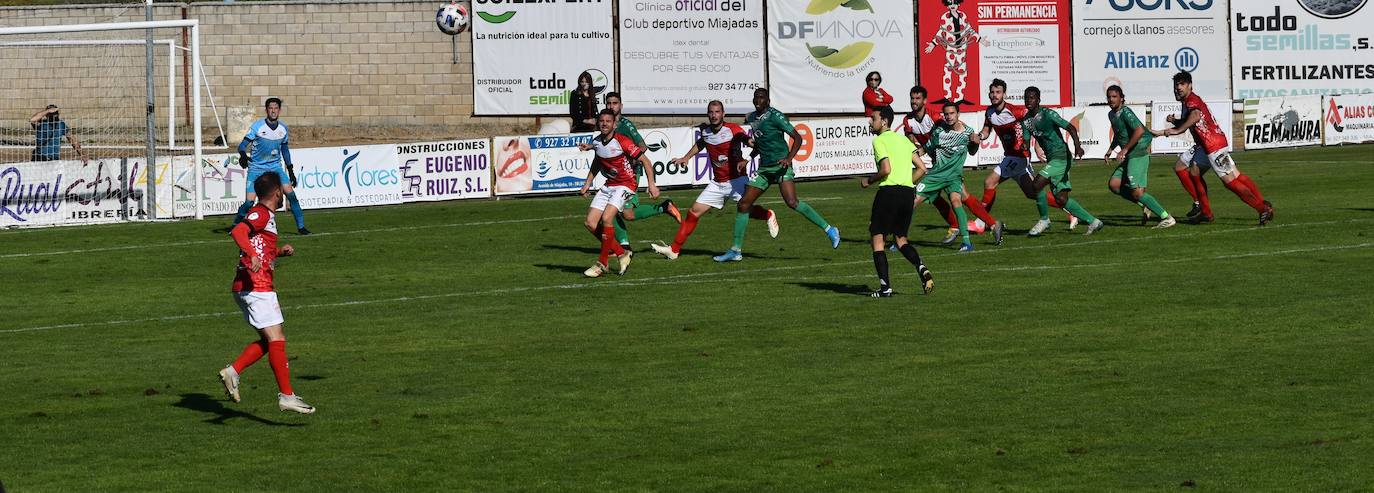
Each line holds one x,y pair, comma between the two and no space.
452,18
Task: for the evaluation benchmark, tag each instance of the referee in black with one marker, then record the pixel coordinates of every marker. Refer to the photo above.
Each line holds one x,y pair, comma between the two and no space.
899,167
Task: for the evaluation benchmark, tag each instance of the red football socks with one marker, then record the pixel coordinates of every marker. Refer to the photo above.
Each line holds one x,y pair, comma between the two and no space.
276,356
1253,187
989,196
1187,181
1201,185
1052,201
251,354
1239,187
689,224
978,210
609,245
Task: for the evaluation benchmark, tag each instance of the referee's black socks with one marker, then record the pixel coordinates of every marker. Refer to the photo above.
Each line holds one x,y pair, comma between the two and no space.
909,252
880,264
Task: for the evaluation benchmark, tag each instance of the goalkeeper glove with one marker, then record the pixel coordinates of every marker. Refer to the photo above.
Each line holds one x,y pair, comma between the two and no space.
243,161
291,173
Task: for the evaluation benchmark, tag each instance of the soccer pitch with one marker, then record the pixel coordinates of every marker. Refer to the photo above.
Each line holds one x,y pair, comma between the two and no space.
457,347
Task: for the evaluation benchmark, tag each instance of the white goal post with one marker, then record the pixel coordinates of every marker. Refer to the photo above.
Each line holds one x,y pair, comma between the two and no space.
197,77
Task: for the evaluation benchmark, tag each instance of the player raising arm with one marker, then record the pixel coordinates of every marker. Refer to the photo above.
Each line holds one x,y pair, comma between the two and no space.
729,176
771,130
1209,152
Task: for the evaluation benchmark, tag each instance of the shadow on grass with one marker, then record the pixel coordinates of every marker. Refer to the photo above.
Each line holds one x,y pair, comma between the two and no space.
206,404
563,268
835,287
570,248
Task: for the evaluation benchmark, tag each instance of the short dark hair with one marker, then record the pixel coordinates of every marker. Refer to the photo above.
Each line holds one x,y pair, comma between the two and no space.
1116,89
715,102
267,184
919,90
763,90
613,94
885,113
1033,90
1183,77
606,112
271,100
949,104
998,83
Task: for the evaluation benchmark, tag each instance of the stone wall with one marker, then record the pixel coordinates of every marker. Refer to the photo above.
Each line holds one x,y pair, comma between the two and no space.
349,71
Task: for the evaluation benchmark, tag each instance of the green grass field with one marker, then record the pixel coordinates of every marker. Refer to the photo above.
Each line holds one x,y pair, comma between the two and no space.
456,347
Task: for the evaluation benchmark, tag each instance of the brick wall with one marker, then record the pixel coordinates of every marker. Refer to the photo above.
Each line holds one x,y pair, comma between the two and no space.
350,71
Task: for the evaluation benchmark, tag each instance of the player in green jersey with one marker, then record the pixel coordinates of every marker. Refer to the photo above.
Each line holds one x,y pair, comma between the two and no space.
950,143
1133,161
1044,125
770,130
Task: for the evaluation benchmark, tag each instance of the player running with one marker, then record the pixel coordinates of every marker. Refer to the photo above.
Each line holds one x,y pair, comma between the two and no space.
254,292
729,176
624,126
898,167
1044,124
614,155
1132,172
770,130
950,143
264,150
917,126
1209,152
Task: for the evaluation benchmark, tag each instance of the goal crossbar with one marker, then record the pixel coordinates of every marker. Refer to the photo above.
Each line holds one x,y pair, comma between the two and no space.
194,26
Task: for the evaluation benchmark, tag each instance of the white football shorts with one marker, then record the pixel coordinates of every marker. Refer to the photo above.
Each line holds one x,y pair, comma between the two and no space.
716,193
612,196
1219,162
260,308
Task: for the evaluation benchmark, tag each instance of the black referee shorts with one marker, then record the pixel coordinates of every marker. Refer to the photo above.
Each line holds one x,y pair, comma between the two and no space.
891,211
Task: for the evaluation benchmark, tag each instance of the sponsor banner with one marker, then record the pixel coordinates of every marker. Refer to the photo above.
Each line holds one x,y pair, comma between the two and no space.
1141,44
455,169
664,145
1094,128
162,179
68,192
675,56
966,45
530,164
834,148
823,49
223,185
527,56
1283,122
1349,119
1160,112
1302,47
354,176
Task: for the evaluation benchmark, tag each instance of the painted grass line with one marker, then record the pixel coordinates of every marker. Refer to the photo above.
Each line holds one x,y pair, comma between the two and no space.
335,233
694,278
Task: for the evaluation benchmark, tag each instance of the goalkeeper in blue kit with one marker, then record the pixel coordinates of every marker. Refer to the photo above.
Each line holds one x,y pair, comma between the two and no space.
264,150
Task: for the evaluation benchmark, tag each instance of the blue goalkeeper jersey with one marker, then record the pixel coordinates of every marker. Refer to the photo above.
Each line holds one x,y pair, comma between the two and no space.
266,145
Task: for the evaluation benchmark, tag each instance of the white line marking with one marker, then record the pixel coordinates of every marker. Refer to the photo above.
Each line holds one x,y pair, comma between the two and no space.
686,279
333,233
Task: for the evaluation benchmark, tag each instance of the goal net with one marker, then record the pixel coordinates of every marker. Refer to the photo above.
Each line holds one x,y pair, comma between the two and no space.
73,121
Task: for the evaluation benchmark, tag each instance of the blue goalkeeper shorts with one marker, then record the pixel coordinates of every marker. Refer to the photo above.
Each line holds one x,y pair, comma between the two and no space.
254,173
